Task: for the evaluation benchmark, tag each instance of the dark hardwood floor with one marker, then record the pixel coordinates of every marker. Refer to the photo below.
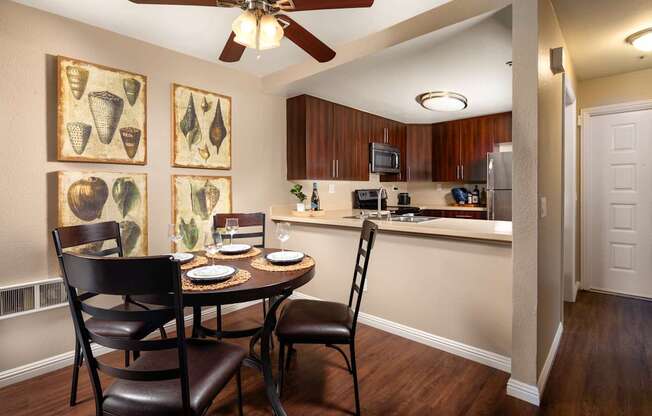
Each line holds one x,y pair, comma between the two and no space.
602,369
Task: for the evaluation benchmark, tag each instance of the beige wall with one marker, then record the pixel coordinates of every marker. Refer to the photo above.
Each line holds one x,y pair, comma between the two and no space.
460,290
550,182
29,41
621,88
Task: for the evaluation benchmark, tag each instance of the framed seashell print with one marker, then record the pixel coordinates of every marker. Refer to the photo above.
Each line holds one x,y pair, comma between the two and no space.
201,128
195,200
101,114
90,197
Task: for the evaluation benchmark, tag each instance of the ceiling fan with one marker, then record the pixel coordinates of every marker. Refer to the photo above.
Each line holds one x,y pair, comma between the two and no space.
262,24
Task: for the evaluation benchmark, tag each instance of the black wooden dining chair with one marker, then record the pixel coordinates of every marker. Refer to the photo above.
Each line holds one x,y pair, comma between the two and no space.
173,376
306,321
255,221
91,238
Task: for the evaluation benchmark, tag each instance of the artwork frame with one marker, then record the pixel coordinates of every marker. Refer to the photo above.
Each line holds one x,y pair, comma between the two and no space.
124,204
182,190
122,135
180,103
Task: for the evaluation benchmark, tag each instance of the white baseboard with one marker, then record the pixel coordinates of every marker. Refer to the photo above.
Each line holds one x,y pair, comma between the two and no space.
550,359
469,352
37,368
523,391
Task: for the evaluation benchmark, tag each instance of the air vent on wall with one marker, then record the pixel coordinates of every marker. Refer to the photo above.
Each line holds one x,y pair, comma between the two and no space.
31,297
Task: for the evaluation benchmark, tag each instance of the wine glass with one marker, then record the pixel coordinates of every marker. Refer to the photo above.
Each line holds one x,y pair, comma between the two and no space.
174,235
283,233
231,225
212,243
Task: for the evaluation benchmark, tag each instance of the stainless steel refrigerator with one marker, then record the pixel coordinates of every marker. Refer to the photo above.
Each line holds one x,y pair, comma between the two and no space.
499,186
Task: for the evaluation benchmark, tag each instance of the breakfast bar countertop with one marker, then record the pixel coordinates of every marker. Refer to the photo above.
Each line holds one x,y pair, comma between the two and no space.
490,231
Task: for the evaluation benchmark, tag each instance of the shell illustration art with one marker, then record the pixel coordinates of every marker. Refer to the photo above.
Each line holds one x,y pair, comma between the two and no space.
86,198
106,109
90,248
130,232
217,131
132,89
205,105
130,139
125,194
204,152
204,199
77,79
79,133
189,233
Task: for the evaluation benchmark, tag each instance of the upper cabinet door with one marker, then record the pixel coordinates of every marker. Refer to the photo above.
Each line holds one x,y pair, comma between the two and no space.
477,139
319,139
503,127
395,135
446,152
351,146
418,158
378,129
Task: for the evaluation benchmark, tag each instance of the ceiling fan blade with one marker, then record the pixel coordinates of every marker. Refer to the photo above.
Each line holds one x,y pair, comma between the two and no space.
224,3
232,51
301,5
306,40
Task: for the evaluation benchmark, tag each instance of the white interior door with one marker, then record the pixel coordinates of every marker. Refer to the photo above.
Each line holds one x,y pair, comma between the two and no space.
620,211
570,196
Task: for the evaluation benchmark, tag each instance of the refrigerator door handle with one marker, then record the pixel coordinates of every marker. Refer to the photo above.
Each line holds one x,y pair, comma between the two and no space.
490,172
491,203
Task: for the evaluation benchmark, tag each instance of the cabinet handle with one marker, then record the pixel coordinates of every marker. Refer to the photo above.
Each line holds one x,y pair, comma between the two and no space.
337,168
463,216
408,174
457,175
333,169
462,171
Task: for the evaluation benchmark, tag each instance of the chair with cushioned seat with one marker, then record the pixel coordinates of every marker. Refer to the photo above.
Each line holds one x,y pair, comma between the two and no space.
173,376
66,238
306,321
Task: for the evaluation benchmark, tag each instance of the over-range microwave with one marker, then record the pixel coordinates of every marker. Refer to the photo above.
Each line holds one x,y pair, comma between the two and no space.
384,158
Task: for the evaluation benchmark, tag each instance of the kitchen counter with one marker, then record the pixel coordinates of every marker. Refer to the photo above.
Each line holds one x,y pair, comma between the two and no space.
442,207
490,231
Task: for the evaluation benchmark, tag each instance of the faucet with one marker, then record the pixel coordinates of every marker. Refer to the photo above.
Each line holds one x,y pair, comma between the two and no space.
381,190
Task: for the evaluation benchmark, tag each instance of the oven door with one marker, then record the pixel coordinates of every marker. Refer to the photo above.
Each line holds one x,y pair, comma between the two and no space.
384,158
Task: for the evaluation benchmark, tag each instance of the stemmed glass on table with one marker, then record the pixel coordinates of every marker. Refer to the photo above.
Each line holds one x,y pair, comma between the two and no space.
174,235
213,243
231,226
283,233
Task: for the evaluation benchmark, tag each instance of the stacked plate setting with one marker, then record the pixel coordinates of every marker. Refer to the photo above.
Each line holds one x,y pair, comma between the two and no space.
235,249
211,274
285,258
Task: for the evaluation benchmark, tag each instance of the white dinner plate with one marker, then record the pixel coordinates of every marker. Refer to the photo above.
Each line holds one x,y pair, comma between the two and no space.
183,257
214,273
235,249
285,257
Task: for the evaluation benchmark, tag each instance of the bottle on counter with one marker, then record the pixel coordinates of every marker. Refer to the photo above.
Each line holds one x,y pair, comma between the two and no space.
483,197
314,200
469,197
476,195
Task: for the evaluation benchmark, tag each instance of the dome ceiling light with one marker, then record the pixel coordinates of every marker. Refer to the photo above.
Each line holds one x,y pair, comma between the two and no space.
443,101
641,40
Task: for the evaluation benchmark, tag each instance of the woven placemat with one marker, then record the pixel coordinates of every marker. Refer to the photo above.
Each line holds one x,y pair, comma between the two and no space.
240,277
261,263
195,262
251,253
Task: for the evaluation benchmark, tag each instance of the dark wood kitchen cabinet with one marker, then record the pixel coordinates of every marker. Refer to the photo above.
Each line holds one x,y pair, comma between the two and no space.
460,149
418,155
325,141
395,135
503,127
454,213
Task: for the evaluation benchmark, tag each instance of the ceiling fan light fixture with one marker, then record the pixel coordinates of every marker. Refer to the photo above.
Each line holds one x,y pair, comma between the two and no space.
270,33
245,28
641,40
443,101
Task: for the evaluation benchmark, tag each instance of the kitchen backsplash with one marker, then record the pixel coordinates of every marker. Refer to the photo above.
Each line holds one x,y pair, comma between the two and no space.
342,198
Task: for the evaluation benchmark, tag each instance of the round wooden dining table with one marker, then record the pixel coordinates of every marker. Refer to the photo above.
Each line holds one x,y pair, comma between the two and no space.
273,285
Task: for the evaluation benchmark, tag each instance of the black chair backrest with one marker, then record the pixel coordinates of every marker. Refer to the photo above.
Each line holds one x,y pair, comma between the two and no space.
157,278
244,221
365,246
79,235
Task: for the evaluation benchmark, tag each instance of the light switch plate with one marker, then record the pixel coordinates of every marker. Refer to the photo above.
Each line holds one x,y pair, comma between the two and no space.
331,188
543,207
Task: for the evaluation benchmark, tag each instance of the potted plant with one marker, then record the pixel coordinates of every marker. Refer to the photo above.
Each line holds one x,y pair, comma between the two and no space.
297,190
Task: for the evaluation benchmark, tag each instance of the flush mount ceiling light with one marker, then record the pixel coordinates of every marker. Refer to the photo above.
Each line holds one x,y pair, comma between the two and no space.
443,101
641,40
